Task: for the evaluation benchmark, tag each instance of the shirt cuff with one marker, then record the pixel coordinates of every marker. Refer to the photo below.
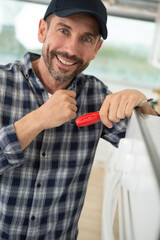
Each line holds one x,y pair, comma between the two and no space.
10,149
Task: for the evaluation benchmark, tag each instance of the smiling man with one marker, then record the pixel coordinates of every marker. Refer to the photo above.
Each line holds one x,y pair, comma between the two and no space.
71,43
45,159
68,49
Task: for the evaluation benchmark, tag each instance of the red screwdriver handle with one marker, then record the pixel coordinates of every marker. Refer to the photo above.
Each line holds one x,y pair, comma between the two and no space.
88,119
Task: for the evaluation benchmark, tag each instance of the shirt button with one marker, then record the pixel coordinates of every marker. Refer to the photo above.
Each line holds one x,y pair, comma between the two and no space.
33,218
27,75
43,154
38,185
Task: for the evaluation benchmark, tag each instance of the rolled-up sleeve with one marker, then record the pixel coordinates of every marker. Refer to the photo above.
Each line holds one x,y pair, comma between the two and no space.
11,154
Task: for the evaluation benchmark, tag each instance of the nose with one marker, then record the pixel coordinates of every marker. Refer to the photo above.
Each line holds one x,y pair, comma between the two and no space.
72,46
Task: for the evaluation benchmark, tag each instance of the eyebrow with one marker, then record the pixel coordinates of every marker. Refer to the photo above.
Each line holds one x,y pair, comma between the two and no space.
85,33
63,25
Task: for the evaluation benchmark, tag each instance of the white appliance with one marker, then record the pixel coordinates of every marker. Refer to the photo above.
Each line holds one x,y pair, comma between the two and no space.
131,208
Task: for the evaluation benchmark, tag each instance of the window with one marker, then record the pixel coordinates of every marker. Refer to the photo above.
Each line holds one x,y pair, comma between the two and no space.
18,29
123,57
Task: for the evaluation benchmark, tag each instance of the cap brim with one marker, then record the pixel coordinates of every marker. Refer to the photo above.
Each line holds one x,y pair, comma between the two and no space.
69,12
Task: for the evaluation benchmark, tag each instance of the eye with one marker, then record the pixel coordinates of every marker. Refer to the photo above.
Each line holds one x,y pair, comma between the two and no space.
62,30
87,39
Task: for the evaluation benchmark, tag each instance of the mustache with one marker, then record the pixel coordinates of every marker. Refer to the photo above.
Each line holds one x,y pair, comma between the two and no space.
66,55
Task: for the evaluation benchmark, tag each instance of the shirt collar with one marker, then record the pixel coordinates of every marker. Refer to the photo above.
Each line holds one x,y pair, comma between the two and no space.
26,65
77,83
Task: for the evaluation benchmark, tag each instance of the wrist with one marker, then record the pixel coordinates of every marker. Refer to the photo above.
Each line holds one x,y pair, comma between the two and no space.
27,128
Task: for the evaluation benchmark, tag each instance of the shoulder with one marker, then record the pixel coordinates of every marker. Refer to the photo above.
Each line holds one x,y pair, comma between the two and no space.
10,67
94,83
8,72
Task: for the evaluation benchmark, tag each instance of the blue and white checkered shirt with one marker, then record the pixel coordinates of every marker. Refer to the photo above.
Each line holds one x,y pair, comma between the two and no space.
42,188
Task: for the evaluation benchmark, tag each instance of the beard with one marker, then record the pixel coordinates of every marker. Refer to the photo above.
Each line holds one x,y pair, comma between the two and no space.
61,75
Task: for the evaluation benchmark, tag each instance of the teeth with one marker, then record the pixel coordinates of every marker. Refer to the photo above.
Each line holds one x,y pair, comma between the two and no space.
64,62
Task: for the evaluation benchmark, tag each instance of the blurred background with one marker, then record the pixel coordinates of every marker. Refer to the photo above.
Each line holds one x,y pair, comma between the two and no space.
129,58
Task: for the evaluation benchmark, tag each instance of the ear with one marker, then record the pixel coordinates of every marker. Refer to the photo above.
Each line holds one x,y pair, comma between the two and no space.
98,46
42,30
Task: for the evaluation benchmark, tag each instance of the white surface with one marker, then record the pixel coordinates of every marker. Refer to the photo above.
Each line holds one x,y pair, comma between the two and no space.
130,181
153,124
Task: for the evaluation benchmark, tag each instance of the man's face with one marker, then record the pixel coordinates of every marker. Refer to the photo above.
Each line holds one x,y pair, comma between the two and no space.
69,45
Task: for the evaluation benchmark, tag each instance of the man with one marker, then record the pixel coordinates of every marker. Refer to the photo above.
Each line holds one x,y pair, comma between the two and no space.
45,159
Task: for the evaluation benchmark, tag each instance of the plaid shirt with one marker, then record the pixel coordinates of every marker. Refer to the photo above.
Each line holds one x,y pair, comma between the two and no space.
42,188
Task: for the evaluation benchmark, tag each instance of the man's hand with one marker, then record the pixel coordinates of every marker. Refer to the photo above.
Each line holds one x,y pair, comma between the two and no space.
121,104
60,108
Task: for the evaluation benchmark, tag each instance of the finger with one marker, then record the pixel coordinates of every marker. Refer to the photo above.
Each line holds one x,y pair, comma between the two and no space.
114,108
72,101
65,93
70,115
132,103
112,115
121,111
71,93
66,96
103,113
129,109
71,96
73,108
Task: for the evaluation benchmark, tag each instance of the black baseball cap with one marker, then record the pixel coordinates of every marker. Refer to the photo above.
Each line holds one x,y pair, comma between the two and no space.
64,8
